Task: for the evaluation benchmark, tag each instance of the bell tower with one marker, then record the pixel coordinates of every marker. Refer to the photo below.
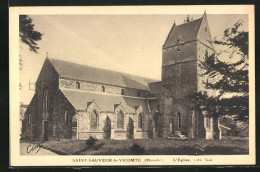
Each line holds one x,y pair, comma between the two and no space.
185,45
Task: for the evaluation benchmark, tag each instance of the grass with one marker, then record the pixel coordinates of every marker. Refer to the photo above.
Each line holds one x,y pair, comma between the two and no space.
229,146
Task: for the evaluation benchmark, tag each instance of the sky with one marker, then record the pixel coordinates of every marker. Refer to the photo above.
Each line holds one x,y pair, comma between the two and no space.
125,43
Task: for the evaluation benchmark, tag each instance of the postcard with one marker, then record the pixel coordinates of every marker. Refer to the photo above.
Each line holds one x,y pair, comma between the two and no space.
132,85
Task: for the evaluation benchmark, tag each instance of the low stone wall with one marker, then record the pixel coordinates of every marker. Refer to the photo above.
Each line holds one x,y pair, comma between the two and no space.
86,135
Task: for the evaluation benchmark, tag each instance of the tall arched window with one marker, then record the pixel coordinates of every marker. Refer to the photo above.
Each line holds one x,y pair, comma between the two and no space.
78,85
66,118
29,119
120,120
140,120
103,89
93,120
122,92
45,103
179,119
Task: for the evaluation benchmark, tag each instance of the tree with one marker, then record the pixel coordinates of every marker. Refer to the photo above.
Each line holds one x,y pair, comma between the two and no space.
28,36
228,78
27,33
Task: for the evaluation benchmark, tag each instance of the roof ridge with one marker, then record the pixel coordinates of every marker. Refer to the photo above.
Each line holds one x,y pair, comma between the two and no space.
98,68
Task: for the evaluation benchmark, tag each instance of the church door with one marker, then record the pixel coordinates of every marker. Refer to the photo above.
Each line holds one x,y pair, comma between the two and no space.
107,129
130,129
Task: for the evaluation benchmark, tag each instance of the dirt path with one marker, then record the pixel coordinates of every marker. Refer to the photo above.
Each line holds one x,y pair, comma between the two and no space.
34,149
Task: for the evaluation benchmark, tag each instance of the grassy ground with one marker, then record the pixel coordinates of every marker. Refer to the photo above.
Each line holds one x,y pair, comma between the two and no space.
151,147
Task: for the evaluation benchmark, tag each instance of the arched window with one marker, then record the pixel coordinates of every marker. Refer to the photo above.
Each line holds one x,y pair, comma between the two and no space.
45,103
179,120
138,93
120,120
93,120
140,120
29,119
78,85
122,92
103,89
74,121
66,118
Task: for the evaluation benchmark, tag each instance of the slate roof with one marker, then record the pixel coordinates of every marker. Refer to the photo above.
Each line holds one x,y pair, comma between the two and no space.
185,32
92,74
80,100
155,88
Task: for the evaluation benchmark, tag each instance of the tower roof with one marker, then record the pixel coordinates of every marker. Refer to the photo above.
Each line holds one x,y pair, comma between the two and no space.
183,33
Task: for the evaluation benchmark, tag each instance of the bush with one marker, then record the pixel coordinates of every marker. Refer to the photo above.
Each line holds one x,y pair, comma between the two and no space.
137,149
91,141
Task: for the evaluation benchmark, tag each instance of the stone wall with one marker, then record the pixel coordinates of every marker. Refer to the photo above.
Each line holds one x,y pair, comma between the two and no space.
179,70
47,80
61,129
90,86
179,53
84,131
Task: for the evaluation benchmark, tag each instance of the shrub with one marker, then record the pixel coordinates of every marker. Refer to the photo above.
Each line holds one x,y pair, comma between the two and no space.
91,141
137,149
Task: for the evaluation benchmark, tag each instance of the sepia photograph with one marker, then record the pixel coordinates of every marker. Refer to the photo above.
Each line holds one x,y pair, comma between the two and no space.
131,86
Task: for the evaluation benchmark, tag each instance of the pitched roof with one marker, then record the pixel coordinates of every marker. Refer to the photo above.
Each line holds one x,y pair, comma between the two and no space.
185,32
92,74
106,102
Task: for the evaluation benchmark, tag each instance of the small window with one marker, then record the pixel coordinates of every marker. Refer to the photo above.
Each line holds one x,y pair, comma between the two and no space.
122,92
103,89
140,121
178,41
138,93
206,29
78,85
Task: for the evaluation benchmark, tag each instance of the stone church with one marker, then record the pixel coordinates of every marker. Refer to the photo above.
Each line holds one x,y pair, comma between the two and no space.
74,101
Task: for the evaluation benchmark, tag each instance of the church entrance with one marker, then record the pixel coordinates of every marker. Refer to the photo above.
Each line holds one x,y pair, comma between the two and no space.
130,129
107,129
